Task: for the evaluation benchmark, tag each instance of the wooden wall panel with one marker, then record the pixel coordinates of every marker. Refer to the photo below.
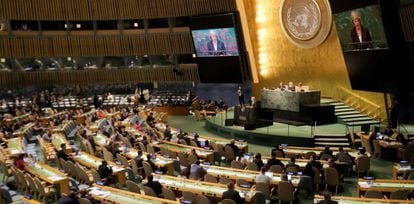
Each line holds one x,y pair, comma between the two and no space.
27,47
47,47
6,47
105,76
3,8
62,46
104,9
407,22
109,9
16,48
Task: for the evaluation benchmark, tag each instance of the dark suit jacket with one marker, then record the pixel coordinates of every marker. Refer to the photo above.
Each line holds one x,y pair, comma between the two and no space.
68,200
259,163
113,150
167,133
274,150
235,148
327,202
272,162
197,172
220,48
156,186
326,152
62,154
292,165
366,37
139,161
104,172
233,195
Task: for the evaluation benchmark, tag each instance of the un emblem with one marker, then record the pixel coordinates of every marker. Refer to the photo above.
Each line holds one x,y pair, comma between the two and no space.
306,23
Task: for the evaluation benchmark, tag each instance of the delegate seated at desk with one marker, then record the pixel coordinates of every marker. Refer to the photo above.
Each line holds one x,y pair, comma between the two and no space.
291,87
300,87
282,86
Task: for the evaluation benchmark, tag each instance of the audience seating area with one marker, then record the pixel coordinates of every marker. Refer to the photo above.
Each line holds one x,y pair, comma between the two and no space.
130,154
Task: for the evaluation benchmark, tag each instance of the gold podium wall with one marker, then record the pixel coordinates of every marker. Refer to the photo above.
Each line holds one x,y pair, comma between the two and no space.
322,68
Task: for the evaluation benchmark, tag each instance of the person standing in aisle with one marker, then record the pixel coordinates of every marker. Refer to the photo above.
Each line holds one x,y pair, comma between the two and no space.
240,93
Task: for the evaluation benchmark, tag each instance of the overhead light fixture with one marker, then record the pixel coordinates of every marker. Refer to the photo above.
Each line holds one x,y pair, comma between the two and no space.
136,25
2,60
78,25
66,25
194,55
69,58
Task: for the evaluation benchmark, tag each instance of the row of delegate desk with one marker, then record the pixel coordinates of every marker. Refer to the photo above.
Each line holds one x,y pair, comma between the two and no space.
212,190
15,146
384,185
61,183
80,119
50,175
215,190
98,124
130,121
55,177
46,119
113,195
385,142
58,139
204,188
246,175
25,131
243,146
399,170
65,128
379,185
93,162
206,154
16,119
357,200
301,151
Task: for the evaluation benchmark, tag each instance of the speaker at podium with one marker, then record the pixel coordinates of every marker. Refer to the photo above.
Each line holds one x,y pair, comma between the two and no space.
251,117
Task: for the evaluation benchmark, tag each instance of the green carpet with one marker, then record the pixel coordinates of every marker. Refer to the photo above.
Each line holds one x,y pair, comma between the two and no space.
303,131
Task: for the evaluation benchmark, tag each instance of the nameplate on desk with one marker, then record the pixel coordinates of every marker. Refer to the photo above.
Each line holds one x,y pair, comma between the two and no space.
209,194
14,151
55,178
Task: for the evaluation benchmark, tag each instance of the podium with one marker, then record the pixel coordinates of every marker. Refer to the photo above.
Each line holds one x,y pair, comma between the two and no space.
251,118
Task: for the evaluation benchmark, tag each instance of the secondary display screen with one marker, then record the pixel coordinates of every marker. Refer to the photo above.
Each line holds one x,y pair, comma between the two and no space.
219,48
361,29
219,42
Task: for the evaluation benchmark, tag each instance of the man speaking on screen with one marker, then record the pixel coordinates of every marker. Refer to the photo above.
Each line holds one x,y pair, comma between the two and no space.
215,46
